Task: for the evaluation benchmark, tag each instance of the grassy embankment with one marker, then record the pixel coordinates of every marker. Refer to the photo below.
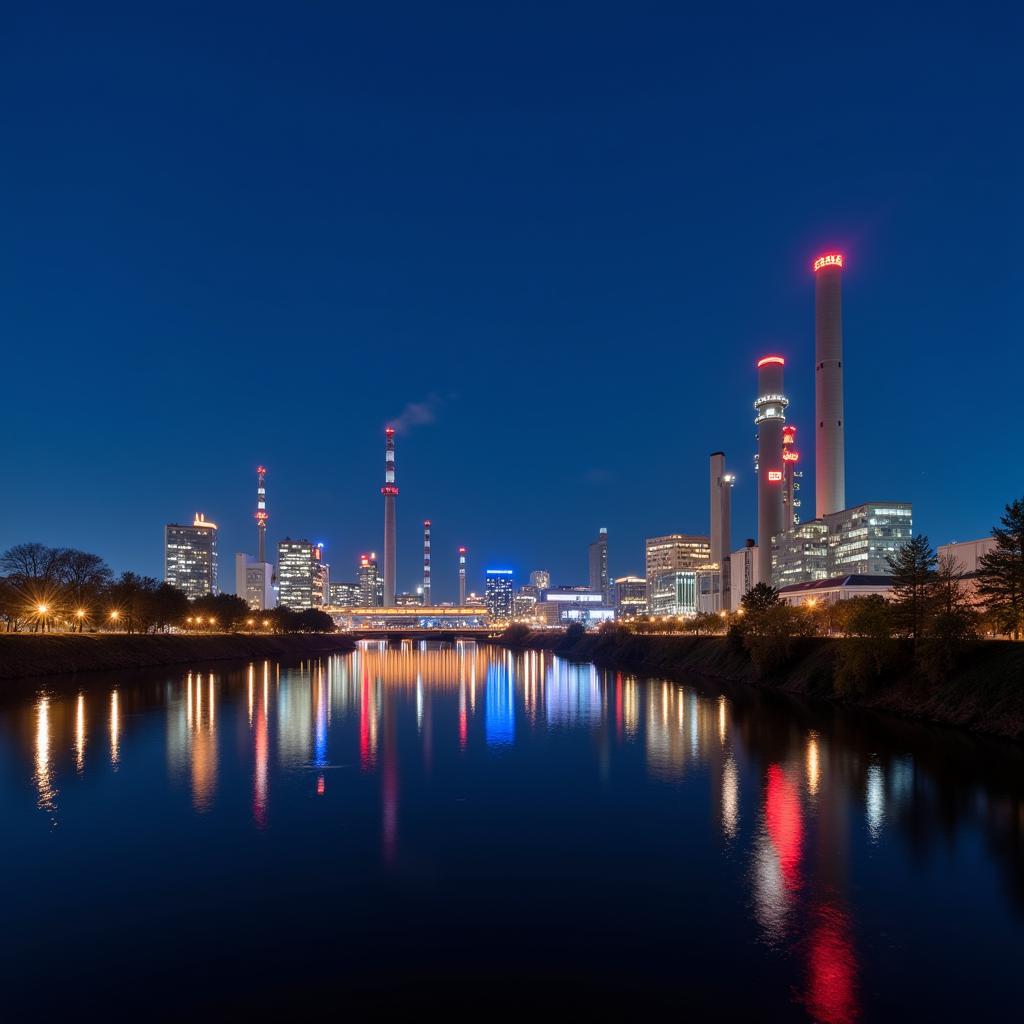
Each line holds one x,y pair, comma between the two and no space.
985,693
29,655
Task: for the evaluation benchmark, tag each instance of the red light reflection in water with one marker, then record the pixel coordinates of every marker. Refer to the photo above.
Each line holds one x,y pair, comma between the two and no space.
832,968
259,783
366,725
321,786
784,819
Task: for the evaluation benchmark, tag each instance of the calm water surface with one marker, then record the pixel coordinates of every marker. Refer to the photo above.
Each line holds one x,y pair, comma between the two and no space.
461,827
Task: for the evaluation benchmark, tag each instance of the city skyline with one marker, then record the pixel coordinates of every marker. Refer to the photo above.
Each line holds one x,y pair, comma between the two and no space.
482,300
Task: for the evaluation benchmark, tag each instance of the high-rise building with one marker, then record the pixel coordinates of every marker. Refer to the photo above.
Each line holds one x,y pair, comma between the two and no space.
390,492
254,582
861,538
674,553
674,593
630,597
541,579
598,557
190,556
499,589
346,595
830,432
800,555
303,578
771,415
370,592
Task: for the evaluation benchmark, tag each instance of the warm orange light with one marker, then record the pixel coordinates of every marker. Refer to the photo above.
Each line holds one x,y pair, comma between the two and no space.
830,259
115,615
771,359
790,456
42,608
80,613
774,475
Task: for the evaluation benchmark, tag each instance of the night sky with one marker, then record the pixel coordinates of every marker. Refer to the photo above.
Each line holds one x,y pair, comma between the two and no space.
552,238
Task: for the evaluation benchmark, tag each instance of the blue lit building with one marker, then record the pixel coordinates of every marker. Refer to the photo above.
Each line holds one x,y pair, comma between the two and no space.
499,593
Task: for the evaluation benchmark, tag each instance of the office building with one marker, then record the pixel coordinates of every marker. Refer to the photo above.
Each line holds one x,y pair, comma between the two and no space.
598,558
801,555
370,584
541,579
408,600
674,553
564,605
499,587
254,582
674,593
525,604
860,539
771,416
303,578
346,595
630,597
190,556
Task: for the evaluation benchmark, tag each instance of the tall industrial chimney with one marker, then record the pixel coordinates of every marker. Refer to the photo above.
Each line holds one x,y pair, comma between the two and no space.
426,561
790,478
829,436
261,511
771,415
721,508
462,577
390,492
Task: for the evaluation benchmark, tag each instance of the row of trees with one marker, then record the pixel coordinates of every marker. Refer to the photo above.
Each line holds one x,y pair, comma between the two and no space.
43,588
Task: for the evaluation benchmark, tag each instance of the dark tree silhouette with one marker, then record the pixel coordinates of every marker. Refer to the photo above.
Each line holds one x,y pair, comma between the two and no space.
1001,576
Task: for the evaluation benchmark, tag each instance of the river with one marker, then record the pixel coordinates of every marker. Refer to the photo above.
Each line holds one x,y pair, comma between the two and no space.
461,827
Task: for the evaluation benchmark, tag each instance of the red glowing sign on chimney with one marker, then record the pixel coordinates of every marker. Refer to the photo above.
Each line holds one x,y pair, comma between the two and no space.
831,259
774,475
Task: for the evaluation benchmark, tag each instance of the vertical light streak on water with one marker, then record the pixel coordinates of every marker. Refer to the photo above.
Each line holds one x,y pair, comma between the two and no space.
813,764
115,728
46,798
874,801
80,733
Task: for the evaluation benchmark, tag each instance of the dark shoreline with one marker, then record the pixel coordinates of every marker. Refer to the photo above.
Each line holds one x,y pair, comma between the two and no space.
985,695
27,656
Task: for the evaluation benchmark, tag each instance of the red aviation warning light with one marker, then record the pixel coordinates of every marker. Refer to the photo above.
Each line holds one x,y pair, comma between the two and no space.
389,431
829,259
389,490
791,456
770,359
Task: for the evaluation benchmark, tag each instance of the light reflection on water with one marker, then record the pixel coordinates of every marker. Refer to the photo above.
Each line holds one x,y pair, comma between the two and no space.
784,795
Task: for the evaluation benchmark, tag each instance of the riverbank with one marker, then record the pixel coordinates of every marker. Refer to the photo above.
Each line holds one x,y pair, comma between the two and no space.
27,655
985,694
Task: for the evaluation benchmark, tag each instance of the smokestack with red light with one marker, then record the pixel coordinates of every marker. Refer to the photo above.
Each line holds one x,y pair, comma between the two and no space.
390,492
261,511
462,577
790,481
426,561
829,434
771,416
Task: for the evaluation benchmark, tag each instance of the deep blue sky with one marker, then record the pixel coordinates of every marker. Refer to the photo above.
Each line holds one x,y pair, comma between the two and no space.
232,235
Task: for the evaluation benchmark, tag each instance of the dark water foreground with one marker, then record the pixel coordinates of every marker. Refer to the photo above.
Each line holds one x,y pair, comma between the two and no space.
473,830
